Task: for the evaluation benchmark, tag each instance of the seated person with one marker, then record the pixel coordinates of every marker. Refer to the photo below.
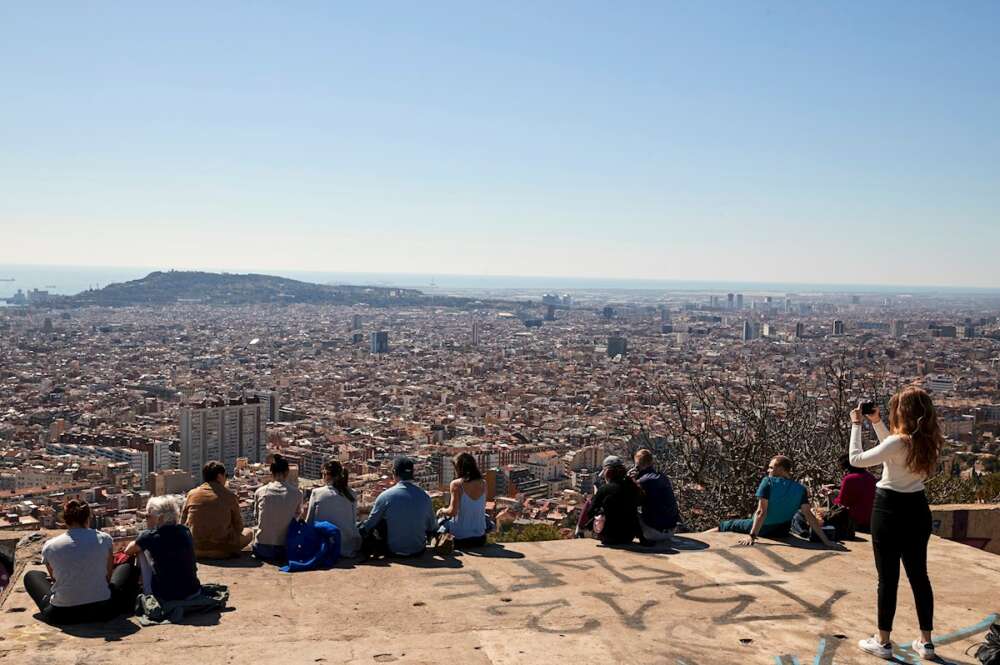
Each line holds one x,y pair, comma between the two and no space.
463,522
778,499
402,518
335,503
165,551
275,505
857,494
658,514
614,510
212,513
82,584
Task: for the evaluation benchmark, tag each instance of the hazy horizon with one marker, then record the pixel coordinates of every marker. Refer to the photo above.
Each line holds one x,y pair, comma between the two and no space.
76,278
737,143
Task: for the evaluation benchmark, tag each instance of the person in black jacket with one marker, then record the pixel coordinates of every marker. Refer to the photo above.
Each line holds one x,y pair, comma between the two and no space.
616,504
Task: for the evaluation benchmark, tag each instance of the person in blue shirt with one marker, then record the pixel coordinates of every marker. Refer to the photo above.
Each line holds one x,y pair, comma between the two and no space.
658,513
778,499
402,518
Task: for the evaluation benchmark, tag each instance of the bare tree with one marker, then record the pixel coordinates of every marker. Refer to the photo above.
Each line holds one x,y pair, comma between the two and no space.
714,432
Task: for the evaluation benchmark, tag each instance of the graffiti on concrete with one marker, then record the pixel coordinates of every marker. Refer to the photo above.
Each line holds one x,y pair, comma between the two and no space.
738,601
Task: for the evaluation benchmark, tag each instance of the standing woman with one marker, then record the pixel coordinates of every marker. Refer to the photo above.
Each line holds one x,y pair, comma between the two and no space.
901,519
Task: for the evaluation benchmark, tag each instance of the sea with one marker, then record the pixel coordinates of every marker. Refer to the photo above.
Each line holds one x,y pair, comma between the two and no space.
69,280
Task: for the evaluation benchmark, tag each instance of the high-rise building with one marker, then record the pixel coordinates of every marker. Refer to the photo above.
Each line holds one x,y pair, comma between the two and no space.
739,301
617,346
550,313
222,430
766,330
608,312
898,328
356,322
838,327
730,303
747,332
380,342
476,333
271,400
800,330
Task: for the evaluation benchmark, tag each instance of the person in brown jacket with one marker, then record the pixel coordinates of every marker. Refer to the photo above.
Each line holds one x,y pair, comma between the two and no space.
212,513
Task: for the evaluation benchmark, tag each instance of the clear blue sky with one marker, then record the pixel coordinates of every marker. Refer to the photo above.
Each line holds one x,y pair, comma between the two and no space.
800,141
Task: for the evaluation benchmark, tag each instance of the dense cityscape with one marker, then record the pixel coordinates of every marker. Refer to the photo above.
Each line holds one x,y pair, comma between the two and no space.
115,404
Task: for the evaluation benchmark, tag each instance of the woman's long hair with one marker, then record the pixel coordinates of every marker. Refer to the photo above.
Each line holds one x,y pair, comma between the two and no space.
912,415
466,467
338,478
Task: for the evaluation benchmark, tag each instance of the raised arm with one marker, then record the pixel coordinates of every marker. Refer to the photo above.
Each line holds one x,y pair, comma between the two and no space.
879,454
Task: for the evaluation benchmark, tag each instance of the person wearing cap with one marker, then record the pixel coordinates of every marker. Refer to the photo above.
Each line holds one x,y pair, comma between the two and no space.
402,518
614,510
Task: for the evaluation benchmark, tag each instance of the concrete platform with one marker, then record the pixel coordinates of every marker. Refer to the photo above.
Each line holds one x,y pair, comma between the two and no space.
710,601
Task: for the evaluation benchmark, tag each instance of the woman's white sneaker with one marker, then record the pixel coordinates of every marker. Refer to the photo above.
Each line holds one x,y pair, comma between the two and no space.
923,649
876,648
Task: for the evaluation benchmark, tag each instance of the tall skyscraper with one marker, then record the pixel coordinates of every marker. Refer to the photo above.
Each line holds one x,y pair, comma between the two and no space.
739,301
476,333
356,322
380,342
800,330
271,400
730,303
747,332
838,327
222,430
898,328
617,346
550,313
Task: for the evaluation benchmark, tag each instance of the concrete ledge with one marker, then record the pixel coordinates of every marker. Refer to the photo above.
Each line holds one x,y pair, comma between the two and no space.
709,601
974,524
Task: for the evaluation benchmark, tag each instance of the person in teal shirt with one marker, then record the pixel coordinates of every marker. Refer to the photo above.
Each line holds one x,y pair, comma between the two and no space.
778,499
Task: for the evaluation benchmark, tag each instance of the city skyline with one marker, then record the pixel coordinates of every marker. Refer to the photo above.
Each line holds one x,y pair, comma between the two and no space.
778,143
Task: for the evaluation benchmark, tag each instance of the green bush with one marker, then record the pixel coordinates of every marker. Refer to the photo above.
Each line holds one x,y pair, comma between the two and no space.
528,533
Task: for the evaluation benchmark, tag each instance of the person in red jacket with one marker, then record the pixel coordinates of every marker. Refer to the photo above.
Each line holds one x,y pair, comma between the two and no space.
857,494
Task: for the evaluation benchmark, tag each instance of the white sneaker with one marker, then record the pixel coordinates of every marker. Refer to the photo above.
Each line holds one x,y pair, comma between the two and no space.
876,648
923,649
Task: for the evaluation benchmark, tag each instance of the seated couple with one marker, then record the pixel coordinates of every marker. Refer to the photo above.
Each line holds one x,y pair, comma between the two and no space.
84,584
629,505
402,520
779,498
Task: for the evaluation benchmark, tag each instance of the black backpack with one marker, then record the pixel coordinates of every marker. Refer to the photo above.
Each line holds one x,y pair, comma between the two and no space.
988,652
840,519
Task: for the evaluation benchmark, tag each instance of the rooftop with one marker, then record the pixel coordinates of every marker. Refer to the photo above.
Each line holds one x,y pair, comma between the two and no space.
710,601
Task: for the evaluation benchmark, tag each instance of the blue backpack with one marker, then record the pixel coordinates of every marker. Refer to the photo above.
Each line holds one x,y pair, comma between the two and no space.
313,546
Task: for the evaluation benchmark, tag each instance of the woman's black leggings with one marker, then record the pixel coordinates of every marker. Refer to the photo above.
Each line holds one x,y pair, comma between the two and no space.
124,588
901,528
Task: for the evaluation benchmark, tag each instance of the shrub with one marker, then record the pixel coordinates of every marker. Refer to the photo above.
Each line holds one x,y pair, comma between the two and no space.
526,533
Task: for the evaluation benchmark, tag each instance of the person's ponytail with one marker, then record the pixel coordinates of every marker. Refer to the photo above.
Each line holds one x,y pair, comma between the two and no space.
338,478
